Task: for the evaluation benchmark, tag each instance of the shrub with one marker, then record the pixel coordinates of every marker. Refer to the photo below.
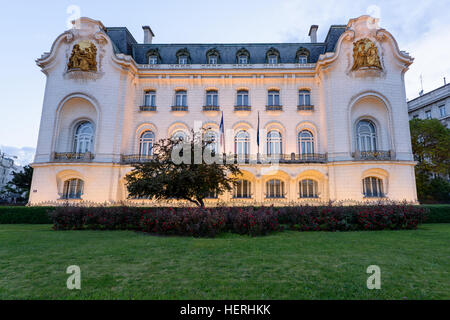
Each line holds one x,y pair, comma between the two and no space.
251,221
25,215
438,213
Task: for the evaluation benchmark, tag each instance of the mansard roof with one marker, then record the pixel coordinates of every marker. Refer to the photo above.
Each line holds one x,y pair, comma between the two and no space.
125,43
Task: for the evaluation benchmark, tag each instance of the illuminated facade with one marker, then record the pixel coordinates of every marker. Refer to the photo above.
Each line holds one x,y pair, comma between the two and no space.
332,113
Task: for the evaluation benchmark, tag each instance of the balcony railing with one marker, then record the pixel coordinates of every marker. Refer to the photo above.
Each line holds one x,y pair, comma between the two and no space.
147,108
274,108
179,108
72,157
242,108
211,108
305,108
373,155
136,158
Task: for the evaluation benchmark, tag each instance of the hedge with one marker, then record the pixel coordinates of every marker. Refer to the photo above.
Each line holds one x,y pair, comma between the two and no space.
439,213
208,222
25,215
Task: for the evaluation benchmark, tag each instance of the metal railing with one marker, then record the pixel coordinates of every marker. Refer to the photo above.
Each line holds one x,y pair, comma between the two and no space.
373,155
179,108
305,108
72,156
274,108
136,158
211,108
147,108
242,108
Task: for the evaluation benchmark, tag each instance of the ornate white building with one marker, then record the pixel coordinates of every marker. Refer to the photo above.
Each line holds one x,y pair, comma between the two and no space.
334,113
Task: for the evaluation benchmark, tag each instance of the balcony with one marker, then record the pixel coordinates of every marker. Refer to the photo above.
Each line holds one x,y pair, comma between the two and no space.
147,108
279,158
373,155
179,108
242,108
305,108
72,157
274,108
211,108
135,158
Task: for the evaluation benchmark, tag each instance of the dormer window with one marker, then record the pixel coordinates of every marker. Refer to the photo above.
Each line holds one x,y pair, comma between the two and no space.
152,60
243,56
182,59
302,59
212,56
272,56
212,59
272,59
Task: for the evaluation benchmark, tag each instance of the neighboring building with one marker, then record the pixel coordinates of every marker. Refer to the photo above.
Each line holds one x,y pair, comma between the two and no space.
432,105
7,167
333,113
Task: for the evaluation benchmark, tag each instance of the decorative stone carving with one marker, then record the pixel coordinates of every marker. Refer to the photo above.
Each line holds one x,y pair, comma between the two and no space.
83,57
365,55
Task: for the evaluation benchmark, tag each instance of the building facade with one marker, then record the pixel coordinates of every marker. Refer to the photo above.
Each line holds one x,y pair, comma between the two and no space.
7,168
432,105
333,114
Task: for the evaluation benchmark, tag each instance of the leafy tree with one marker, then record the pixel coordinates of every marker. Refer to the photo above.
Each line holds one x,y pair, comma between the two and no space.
431,148
21,182
182,171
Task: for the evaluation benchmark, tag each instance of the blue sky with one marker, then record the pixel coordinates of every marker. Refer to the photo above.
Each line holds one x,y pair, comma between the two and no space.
28,29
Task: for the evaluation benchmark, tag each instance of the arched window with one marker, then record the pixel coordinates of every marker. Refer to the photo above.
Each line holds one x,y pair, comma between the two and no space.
273,98
183,56
146,143
153,56
152,60
150,98
242,98
73,189
243,56
181,98
373,187
242,144
272,56
179,136
304,98
302,56
211,136
212,98
274,143
366,136
84,137
212,56
308,189
274,189
305,142
242,189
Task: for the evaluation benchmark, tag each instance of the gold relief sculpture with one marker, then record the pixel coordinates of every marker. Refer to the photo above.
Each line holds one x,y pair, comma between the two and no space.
365,55
83,57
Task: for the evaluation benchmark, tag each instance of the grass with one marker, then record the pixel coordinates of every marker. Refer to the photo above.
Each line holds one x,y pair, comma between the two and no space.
289,265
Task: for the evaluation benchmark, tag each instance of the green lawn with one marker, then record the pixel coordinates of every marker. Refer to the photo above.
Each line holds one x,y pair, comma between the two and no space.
288,265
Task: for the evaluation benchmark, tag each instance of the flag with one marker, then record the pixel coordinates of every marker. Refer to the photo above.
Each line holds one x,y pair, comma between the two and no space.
222,134
257,134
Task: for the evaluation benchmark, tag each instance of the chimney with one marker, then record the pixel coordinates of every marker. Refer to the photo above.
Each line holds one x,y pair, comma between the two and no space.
313,33
148,34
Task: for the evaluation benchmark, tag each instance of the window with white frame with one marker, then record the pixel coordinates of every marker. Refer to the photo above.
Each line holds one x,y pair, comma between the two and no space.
242,189
305,142
182,59
274,143
153,59
272,59
428,114
366,136
73,189
273,98
243,59
146,143
213,59
373,187
242,98
181,98
179,136
442,111
150,98
302,59
275,189
308,188
212,98
242,144
304,98
84,137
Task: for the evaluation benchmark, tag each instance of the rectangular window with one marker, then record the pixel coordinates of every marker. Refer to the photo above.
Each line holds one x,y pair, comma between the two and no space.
181,99
212,98
153,60
428,114
243,59
302,59
150,99
273,98
212,59
242,98
442,111
304,98
273,59
182,60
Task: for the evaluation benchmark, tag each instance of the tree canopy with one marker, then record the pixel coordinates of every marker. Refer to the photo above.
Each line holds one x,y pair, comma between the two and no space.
182,170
